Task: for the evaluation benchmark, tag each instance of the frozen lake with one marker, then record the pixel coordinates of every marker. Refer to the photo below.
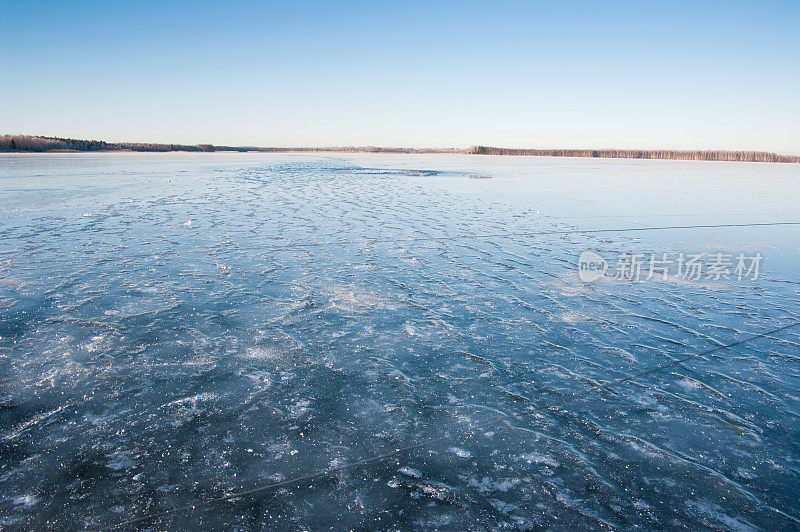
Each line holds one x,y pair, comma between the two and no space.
179,328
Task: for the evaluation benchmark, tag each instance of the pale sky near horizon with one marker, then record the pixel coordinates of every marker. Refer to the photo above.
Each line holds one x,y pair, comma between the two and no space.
706,75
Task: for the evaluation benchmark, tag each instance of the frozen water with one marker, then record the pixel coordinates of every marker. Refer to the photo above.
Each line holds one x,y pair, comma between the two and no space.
176,328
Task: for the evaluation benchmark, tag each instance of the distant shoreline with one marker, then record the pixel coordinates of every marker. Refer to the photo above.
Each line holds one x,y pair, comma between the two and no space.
38,144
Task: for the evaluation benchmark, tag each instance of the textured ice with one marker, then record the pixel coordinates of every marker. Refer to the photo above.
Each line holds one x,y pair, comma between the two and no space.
225,322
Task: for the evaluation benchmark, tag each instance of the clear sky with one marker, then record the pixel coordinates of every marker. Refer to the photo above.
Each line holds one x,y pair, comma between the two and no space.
668,74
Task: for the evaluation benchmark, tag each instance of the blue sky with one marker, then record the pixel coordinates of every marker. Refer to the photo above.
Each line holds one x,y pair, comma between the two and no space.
517,74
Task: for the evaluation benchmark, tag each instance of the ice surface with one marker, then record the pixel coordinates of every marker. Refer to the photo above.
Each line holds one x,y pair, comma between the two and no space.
176,328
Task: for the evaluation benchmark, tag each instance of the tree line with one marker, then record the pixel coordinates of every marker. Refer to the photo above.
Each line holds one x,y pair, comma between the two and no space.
22,143
29,143
685,155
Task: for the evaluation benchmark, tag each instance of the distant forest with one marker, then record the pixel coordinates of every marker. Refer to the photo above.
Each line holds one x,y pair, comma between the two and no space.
27,143
684,155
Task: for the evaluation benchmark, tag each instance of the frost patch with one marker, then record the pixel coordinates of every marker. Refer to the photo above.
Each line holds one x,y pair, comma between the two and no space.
534,458
26,501
461,453
409,472
488,485
121,461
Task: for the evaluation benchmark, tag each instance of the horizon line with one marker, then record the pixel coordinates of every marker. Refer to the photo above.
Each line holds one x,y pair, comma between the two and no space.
11,143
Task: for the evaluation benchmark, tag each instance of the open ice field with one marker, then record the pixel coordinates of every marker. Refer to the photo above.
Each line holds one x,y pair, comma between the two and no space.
246,341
